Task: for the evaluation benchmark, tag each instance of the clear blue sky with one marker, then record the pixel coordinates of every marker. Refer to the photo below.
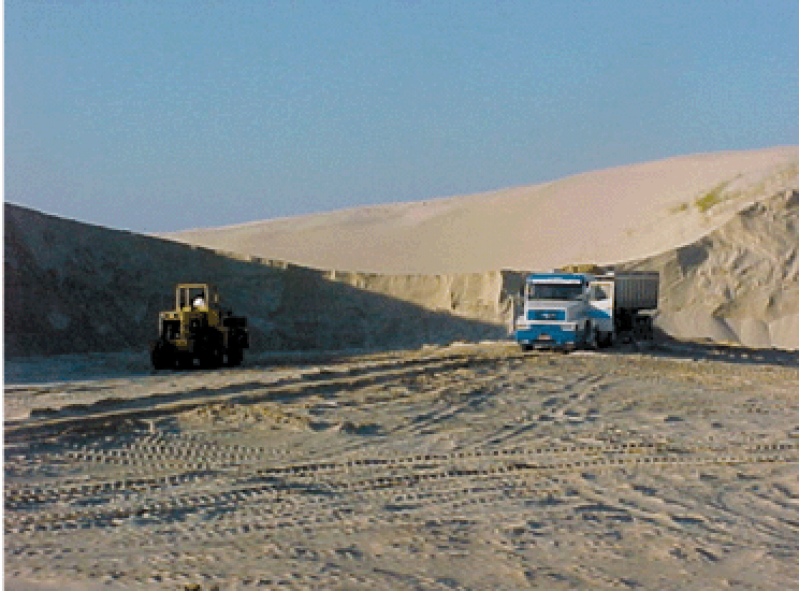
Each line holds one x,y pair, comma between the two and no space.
168,114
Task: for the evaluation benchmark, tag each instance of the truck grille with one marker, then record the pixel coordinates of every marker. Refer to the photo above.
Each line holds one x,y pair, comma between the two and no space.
547,315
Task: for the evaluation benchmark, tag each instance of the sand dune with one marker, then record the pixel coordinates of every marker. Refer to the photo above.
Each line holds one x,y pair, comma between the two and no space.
726,245
605,216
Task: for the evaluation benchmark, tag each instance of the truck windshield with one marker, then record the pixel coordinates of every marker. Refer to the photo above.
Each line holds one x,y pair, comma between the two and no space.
554,291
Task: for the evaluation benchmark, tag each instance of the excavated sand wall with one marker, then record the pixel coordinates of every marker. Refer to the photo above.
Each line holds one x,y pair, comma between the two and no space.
484,296
72,288
740,283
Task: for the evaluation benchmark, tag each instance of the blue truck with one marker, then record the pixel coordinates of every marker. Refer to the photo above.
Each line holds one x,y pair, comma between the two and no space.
586,310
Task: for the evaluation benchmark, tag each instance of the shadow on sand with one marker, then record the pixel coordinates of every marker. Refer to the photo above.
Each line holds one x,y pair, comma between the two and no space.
77,289
665,346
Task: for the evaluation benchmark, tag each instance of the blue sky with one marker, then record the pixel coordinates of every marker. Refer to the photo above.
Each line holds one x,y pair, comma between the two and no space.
165,115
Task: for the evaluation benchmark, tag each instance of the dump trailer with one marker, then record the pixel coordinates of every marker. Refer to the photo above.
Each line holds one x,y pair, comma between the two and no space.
199,331
569,310
624,305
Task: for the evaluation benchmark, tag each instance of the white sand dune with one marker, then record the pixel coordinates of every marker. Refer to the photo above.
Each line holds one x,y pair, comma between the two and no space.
605,216
716,215
722,229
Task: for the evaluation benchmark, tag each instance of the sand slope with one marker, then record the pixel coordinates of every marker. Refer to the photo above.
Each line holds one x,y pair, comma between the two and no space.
739,283
604,216
76,288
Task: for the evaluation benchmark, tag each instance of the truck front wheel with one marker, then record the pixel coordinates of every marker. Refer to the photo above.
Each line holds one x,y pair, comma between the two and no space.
590,337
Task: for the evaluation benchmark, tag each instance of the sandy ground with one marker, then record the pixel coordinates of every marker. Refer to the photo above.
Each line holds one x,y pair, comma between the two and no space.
675,467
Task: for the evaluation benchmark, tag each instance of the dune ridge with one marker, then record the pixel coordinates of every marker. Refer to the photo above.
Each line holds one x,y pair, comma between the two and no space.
606,216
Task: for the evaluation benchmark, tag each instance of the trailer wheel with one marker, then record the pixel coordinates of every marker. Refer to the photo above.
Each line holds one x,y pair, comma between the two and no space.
643,328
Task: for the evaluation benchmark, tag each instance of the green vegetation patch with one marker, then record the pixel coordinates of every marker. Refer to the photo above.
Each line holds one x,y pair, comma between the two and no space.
712,197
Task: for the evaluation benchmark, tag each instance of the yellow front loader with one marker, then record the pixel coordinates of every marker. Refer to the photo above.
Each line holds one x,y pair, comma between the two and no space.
199,331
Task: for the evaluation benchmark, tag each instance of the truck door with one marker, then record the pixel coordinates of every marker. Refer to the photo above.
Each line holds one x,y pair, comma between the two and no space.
600,300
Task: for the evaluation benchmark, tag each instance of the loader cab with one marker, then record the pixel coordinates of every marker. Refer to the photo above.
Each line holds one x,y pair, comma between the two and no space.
196,296
197,307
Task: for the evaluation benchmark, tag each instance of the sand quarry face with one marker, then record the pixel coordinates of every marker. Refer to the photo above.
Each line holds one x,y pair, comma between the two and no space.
423,464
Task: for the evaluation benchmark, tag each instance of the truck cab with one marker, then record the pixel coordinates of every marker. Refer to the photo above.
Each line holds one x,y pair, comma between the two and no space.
556,311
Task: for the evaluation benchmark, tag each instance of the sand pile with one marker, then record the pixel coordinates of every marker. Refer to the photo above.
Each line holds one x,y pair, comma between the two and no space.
740,283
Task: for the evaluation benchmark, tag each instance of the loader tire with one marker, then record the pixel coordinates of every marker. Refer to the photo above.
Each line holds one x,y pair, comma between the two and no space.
163,355
234,357
211,356
184,360
209,350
